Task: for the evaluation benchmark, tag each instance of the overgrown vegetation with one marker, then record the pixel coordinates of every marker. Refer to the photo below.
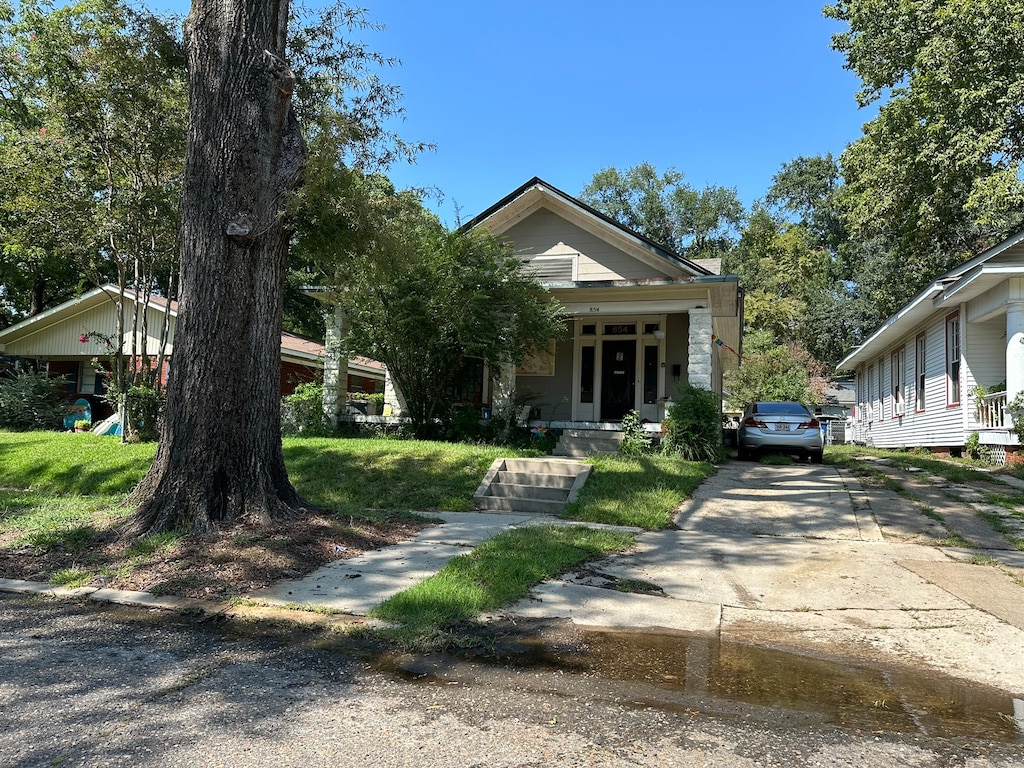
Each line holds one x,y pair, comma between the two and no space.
635,441
302,412
693,425
31,400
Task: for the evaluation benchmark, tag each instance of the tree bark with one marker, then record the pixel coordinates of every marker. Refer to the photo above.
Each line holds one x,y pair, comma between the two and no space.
220,458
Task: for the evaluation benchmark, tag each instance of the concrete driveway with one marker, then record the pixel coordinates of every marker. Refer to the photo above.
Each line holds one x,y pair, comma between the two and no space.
802,557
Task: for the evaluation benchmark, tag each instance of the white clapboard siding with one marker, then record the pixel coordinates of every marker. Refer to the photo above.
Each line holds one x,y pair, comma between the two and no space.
54,340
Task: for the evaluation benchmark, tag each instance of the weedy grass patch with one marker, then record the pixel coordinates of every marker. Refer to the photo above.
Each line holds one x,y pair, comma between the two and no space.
497,573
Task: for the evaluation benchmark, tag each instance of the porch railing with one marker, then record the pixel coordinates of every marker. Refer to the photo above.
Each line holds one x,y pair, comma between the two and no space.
992,411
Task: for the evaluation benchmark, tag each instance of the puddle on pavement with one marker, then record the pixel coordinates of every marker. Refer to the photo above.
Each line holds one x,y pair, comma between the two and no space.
688,670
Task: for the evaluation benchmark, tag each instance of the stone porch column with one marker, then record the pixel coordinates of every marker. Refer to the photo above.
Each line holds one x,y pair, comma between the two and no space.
699,370
504,389
394,400
335,366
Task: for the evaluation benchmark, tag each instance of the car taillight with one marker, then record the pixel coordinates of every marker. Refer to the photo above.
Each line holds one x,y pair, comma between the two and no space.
812,424
750,421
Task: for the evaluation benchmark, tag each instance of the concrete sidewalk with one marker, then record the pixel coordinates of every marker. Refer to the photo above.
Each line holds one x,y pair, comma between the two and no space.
358,584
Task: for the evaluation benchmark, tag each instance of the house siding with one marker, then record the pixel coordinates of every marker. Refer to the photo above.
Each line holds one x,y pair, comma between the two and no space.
545,233
55,340
938,425
549,394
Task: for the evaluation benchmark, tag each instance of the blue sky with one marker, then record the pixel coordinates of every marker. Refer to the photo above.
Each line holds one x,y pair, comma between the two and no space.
723,91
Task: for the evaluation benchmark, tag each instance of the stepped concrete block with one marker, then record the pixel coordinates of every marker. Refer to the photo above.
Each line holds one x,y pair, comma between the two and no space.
538,486
530,478
541,466
534,506
516,491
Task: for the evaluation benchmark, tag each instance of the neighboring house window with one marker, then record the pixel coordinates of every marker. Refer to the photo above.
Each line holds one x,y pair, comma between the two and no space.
953,359
869,389
919,370
896,382
881,390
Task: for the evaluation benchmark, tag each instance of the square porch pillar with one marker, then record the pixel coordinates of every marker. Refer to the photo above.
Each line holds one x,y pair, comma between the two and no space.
335,366
700,367
394,400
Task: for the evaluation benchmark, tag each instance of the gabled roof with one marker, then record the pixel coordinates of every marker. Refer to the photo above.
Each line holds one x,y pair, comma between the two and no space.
537,193
960,284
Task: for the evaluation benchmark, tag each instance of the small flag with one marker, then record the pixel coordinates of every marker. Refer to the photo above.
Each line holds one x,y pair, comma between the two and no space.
721,343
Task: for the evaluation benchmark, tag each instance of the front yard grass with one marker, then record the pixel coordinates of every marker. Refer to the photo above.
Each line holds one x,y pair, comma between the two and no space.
62,494
643,491
61,505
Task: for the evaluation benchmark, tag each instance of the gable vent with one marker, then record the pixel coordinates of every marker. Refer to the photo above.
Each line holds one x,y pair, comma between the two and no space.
550,269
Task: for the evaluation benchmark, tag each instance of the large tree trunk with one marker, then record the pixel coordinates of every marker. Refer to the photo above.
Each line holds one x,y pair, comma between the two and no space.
219,458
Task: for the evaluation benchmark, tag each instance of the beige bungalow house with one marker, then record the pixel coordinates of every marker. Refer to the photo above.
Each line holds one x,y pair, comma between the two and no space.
641,318
54,339
918,375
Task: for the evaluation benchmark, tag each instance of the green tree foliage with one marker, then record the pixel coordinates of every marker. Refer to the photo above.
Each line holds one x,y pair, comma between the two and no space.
937,174
696,223
30,400
805,278
423,300
92,120
772,371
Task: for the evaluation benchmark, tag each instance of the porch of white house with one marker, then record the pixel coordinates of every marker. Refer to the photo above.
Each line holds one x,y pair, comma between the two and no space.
994,360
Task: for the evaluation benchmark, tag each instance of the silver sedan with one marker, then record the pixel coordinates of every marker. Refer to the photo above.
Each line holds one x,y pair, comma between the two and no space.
779,427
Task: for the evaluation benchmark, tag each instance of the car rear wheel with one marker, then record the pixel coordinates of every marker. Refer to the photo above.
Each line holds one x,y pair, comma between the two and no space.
816,457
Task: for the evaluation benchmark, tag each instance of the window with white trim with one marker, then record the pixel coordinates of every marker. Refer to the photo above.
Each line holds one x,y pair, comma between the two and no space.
919,371
881,389
953,359
896,372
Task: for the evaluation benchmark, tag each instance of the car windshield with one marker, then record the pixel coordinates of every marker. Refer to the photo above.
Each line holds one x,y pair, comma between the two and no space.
781,409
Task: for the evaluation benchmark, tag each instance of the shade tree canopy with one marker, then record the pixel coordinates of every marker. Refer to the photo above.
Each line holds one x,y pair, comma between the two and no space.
696,223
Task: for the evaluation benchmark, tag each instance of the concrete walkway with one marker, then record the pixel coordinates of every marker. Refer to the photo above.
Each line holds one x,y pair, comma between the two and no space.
361,583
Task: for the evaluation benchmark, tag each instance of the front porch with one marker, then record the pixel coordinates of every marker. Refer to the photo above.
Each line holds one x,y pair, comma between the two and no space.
994,366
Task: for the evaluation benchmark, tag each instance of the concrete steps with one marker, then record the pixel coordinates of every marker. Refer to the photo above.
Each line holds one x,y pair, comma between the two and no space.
535,486
578,443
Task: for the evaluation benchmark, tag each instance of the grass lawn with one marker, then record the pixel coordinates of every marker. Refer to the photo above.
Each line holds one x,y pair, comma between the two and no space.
61,507
642,491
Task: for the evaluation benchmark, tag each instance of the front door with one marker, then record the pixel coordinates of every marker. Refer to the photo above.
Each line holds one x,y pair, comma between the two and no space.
618,379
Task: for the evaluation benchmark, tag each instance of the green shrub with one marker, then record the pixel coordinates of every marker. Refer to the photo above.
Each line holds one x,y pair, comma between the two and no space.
1016,409
635,441
32,401
144,407
693,425
975,450
302,412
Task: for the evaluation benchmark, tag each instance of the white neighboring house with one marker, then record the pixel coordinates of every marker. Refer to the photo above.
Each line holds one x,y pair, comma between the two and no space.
916,375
